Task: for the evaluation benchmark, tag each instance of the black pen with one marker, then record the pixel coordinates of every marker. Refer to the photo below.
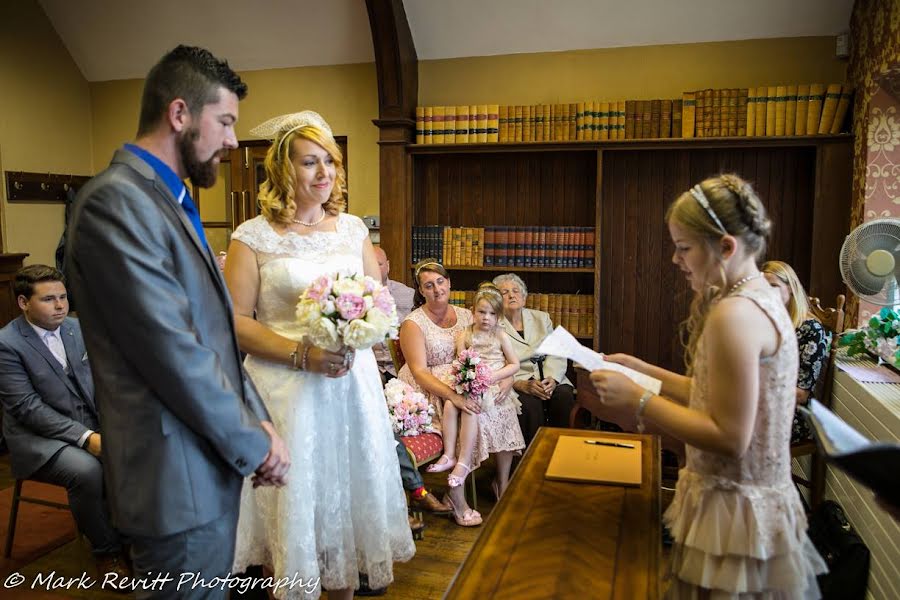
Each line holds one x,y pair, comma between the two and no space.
613,444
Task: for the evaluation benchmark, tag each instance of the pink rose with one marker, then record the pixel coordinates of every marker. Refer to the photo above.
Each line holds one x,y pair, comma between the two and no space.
384,301
350,306
319,288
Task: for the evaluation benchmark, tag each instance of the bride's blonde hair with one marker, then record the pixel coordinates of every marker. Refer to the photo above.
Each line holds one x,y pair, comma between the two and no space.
717,206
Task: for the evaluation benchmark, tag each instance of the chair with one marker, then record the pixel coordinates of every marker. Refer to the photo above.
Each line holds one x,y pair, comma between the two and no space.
17,497
832,319
427,447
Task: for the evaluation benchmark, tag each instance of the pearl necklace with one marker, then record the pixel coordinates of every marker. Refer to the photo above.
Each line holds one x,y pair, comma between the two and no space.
741,282
314,223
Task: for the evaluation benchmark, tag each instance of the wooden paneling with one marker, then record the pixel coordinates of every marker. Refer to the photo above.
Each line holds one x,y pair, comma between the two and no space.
480,190
9,307
643,297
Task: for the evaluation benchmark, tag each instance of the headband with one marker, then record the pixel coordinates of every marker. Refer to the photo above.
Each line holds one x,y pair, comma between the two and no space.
700,197
422,266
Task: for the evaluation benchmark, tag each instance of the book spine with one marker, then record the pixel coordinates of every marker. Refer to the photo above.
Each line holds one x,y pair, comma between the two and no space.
700,119
462,124
493,123
429,125
802,109
518,123
437,132
655,117
449,124
715,129
504,124
688,113
665,118
420,124
750,117
790,110
741,112
780,109
814,112
829,108
473,124
842,109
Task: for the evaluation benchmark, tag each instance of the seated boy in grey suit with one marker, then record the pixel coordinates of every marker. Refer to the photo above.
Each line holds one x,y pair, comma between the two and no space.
50,421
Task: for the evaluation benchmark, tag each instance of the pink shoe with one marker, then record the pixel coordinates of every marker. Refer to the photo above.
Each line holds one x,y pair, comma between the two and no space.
444,463
457,480
469,518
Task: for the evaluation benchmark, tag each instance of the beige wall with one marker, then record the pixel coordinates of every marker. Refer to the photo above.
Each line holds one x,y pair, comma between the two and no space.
642,72
64,124
45,122
346,95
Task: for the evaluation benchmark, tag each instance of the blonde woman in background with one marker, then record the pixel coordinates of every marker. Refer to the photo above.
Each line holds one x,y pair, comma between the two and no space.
813,340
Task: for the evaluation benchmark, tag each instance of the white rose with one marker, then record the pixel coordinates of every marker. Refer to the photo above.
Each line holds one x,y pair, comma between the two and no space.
324,334
359,334
307,312
329,307
348,286
380,321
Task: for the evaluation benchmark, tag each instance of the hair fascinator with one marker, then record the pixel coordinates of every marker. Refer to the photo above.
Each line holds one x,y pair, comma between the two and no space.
278,128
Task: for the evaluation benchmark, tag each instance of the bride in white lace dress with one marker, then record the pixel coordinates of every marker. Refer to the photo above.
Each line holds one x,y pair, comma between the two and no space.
342,511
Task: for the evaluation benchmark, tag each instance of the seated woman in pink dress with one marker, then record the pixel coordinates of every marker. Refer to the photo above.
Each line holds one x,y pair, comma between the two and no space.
427,339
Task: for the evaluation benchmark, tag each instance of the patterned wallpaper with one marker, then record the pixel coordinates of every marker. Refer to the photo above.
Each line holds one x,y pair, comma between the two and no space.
882,181
873,69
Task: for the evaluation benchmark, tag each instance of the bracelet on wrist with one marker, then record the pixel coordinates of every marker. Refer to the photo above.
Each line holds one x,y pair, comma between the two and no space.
641,407
305,358
294,356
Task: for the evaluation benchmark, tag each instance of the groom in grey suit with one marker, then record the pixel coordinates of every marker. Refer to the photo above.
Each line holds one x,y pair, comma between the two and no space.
50,421
182,425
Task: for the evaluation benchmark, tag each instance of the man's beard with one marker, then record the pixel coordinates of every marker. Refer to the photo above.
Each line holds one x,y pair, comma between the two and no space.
202,174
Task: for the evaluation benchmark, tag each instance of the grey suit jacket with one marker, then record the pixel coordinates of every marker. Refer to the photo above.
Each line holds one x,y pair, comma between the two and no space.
537,325
179,418
43,409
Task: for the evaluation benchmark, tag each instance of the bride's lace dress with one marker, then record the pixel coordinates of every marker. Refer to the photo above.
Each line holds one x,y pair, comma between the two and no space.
343,510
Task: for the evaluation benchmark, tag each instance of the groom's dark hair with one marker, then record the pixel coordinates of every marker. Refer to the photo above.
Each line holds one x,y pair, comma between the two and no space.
190,73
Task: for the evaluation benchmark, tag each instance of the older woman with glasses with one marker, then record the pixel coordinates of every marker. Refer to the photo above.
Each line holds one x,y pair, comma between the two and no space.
546,394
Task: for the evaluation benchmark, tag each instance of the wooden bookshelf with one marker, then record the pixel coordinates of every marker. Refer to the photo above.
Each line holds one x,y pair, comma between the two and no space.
507,268
622,188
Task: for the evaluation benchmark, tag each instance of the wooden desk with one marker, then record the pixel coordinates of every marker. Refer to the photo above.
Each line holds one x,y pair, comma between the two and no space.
554,539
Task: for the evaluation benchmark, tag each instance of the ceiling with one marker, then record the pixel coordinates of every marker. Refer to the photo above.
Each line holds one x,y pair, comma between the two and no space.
122,39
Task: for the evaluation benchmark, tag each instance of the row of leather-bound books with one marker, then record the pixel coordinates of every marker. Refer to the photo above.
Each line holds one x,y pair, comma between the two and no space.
505,246
784,110
575,312
803,109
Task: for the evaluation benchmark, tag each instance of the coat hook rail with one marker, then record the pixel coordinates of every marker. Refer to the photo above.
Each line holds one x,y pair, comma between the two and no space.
41,187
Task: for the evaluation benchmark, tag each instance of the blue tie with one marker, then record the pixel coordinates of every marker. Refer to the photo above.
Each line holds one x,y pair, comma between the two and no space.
191,211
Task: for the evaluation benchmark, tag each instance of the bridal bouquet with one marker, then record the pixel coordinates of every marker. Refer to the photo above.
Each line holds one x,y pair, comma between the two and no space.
347,310
410,412
471,377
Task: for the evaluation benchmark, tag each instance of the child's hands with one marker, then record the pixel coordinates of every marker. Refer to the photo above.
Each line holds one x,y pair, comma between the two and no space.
615,389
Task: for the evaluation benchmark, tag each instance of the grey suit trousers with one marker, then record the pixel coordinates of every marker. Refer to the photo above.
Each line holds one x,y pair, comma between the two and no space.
82,476
192,558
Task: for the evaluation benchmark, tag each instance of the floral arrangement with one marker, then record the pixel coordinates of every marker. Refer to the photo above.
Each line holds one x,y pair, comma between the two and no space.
347,310
879,338
410,412
471,377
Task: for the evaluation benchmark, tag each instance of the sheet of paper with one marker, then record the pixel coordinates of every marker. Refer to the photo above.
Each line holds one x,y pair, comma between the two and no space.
562,343
842,437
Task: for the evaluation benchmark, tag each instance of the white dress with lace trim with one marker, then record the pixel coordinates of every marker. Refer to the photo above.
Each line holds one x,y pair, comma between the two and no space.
343,510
